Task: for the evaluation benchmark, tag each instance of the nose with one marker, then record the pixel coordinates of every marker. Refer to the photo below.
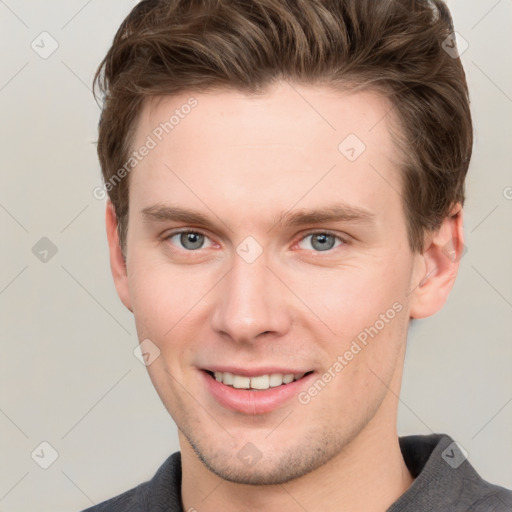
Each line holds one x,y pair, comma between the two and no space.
250,302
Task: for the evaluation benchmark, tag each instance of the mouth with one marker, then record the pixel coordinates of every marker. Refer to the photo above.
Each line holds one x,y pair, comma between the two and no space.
254,392
261,382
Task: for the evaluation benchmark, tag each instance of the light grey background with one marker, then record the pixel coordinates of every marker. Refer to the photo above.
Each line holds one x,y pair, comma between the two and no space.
68,375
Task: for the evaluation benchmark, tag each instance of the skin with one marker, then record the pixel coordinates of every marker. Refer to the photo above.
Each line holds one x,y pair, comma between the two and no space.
241,161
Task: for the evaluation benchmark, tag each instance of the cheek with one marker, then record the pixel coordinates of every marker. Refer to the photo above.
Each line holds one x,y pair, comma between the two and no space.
163,295
361,371
365,311
347,300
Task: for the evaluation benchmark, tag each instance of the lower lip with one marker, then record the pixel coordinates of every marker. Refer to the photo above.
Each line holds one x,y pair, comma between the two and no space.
253,402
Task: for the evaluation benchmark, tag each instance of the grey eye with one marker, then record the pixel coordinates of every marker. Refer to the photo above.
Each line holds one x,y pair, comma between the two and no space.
321,242
189,240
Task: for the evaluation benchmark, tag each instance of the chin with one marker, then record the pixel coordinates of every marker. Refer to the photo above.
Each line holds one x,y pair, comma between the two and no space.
279,469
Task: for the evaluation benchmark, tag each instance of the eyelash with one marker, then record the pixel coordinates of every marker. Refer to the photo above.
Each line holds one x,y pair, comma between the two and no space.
343,240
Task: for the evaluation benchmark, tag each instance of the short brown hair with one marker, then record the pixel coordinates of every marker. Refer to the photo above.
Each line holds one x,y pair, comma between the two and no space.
166,47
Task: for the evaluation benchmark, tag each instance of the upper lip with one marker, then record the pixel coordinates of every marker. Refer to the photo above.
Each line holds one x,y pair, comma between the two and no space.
254,372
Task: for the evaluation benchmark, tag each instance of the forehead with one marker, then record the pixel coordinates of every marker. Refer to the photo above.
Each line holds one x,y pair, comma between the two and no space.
284,114
292,144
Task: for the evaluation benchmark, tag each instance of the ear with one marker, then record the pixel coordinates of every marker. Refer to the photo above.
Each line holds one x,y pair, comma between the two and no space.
117,263
436,269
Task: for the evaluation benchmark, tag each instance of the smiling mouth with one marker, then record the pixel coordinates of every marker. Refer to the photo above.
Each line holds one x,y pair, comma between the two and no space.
256,383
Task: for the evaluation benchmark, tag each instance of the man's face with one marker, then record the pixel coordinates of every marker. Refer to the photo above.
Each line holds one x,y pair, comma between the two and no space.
253,293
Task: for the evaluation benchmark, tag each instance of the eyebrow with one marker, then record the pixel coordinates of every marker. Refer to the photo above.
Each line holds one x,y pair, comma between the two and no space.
332,213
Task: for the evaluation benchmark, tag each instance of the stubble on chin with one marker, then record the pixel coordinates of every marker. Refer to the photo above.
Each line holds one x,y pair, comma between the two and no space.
291,463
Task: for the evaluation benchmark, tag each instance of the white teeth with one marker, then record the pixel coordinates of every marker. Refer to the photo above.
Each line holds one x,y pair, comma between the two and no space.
228,378
288,378
260,382
240,382
276,379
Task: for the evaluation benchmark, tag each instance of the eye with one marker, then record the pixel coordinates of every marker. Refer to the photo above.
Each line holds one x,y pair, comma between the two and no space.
322,241
189,240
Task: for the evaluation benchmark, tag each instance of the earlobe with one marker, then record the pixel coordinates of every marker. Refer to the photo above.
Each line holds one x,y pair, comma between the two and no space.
117,262
437,267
